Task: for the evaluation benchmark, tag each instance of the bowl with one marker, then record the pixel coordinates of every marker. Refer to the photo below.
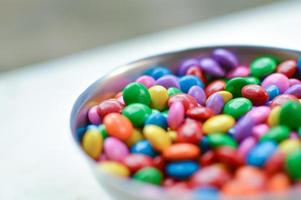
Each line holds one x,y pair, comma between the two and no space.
108,85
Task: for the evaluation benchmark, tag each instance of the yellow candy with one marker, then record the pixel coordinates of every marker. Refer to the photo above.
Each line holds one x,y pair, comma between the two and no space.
114,168
92,143
218,123
227,96
290,145
159,97
135,137
273,118
157,136
172,135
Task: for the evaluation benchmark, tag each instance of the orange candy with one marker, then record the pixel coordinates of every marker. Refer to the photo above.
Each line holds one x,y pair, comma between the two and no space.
278,183
181,151
118,126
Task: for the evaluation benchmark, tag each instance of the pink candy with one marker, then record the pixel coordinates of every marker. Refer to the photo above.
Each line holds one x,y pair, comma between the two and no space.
245,147
280,80
93,116
115,149
175,115
259,114
259,130
146,80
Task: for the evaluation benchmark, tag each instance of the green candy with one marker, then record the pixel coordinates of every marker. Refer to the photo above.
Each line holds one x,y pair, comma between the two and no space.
155,111
173,91
136,93
237,107
299,131
293,165
262,67
149,175
220,139
165,113
235,85
137,113
290,115
277,134
252,80
103,131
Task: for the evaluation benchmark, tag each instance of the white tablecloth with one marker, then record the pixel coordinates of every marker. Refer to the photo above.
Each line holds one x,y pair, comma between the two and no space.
38,157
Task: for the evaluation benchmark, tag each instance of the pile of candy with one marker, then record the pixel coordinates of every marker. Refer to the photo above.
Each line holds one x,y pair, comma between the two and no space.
213,125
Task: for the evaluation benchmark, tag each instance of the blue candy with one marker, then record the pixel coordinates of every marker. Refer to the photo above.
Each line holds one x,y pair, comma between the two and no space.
259,154
157,72
272,91
143,147
208,193
204,144
80,133
181,169
157,119
186,82
299,65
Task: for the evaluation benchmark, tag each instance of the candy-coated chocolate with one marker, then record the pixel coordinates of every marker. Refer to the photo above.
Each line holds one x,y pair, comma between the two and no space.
275,163
168,81
113,168
159,162
93,115
280,80
157,71
186,64
200,113
215,102
186,82
189,132
157,119
228,156
135,137
293,110
237,107
220,139
103,131
172,135
235,85
215,86
282,99
136,93
259,114
259,130
176,115
211,67
288,68
143,147
195,70
187,101
159,97
146,80
225,58
243,128
135,162
240,71
157,137
149,175
137,113
294,90
207,158
290,145
218,123
181,169
256,94
109,106
293,165
227,96
262,66
273,119
259,154
92,143
277,134
273,91
278,183
115,149
181,151
118,126
245,146
173,91
198,93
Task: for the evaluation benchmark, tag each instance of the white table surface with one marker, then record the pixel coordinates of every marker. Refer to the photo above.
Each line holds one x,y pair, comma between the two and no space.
38,159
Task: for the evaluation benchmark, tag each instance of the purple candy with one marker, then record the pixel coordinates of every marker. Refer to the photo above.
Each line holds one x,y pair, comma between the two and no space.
294,90
294,81
241,71
215,102
184,66
243,128
259,114
198,93
259,130
211,67
168,81
225,58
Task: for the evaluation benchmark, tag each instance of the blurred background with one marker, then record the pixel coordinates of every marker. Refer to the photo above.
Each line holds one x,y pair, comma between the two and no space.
34,31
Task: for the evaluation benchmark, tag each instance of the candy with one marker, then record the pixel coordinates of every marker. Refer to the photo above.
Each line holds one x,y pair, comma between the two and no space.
92,143
277,134
256,94
136,93
293,110
175,115
149,175
157,137
237,107
181,151
216,128
118,126
262,66
113,168
159,97
218,123
235,85
181,169
137,113
115,149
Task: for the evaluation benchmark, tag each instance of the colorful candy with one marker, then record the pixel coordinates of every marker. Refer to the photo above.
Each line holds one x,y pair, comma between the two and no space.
216,128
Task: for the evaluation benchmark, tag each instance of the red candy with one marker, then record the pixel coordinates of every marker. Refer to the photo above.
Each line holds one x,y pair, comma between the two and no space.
189,132
200,113
196,71
228,156
256,94
109,106
215,86
288,68
159,162
187,101
207,158
137,161
275,163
